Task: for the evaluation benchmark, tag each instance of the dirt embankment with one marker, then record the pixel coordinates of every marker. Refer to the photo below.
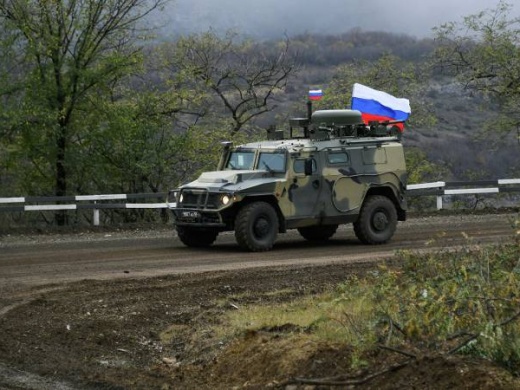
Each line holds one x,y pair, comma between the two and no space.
133,332
157,333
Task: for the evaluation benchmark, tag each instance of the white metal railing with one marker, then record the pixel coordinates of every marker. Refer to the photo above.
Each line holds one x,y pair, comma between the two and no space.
105,201
441,188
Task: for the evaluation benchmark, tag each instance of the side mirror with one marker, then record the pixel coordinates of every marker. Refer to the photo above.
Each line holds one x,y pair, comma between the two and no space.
226,145
308,166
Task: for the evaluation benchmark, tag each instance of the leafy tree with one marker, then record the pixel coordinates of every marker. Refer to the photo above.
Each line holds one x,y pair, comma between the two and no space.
71,48
420,169
483,52
146,143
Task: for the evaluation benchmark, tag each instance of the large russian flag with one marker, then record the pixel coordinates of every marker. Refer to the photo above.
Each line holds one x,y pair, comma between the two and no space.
379,106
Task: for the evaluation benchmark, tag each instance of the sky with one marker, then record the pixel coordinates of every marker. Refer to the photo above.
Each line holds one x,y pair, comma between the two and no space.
274,18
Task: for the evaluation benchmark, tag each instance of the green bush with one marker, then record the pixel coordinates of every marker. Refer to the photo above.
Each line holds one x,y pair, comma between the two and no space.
466,301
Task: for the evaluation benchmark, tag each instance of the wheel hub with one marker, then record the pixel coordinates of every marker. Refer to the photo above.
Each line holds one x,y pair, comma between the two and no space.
261,227
380,221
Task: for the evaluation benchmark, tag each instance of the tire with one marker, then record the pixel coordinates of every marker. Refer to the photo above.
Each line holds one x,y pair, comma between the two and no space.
318,233
377,220
256,227
196,237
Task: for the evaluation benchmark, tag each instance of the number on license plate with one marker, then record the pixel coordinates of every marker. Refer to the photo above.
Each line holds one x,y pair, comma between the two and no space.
190,214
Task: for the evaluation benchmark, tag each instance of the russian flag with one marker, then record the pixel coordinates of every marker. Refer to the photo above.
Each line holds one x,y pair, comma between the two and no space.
379,106
315,94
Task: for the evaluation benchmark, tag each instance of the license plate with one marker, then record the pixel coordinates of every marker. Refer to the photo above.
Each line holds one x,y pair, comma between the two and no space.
190,214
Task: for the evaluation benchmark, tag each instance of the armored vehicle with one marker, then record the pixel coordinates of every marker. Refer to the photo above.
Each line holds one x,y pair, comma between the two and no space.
332,169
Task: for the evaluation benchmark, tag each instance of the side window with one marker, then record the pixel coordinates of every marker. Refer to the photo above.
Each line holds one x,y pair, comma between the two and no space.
337,158
299,165
241,160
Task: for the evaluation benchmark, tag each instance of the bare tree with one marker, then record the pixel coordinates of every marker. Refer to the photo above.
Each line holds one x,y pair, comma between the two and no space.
243,76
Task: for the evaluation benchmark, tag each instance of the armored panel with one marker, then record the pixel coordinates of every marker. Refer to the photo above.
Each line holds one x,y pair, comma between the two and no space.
348,194
374,156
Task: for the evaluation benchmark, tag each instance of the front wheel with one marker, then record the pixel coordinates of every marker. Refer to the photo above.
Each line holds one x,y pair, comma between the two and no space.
377,220
256,227
196,237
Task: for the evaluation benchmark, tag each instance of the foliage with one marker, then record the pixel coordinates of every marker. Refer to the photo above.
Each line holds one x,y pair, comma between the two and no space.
69,50
441,303
465,302
483,53
420,169
87,109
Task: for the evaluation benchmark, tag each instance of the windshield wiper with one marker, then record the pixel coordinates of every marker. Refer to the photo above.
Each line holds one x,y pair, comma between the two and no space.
269,169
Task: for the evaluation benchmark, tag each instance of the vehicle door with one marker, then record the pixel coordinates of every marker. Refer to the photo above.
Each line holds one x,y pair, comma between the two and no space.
347,180
304,189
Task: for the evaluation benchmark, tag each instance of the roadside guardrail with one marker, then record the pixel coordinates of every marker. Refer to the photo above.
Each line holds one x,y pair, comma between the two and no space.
58,203
441,188
96,203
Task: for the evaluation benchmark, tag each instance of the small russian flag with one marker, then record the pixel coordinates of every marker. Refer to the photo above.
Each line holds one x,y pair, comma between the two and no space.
315,94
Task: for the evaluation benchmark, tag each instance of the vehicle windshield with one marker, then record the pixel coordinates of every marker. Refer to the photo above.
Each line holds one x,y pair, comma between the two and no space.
245,159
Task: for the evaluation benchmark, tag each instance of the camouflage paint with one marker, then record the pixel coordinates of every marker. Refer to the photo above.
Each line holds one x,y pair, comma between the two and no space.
347,169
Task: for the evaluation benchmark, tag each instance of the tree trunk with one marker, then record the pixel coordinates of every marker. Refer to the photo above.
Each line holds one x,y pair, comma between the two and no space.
61,173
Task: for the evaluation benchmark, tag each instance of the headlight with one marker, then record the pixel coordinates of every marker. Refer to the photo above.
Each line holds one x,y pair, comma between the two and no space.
181,197
173,196
226,199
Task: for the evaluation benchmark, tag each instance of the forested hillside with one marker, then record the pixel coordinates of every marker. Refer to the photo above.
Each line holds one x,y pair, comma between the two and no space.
272,18
90,105
458,127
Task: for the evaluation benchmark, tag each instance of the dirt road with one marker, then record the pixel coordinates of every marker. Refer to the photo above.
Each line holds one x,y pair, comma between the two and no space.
134,309
43,259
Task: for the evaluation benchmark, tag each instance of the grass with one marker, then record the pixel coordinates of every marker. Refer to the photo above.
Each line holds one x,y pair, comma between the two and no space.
322,316
448,302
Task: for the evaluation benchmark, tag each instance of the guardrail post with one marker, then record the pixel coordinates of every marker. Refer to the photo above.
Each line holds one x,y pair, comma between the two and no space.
95,217
439,202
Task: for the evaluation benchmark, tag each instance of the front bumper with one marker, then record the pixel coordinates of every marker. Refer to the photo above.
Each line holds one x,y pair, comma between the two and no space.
200,207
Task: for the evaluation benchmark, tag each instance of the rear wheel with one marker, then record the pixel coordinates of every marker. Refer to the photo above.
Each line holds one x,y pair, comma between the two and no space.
196,237
318,233
256,227
377,220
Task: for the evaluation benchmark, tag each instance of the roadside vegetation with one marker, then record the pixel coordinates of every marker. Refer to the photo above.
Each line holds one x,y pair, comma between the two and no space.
96,105
464,302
